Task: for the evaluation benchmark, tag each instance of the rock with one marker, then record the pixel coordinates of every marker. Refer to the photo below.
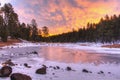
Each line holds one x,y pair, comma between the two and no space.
35,52
90,71
68,68
50,66
57,67
41,70
109,72
19,76
5,71
53,73
85,70
26,65
54,68
44,66
8,62
101,72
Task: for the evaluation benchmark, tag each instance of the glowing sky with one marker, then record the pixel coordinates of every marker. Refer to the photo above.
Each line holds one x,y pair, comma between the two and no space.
63,15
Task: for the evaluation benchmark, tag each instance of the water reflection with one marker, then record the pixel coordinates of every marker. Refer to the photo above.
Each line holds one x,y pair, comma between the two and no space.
75,56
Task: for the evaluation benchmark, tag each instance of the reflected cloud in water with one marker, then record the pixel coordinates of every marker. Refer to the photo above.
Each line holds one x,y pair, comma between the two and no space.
61,54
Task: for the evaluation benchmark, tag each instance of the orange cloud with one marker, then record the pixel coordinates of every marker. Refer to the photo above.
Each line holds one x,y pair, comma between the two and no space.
63,15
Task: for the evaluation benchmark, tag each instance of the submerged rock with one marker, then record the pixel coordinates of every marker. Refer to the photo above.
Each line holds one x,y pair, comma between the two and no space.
5,71
19,76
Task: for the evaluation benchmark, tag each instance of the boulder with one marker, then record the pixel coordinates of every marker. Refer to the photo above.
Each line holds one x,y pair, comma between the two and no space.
19,76
41,70
5,71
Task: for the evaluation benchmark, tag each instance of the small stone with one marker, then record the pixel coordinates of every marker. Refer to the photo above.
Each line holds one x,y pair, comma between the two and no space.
53,73
101,72
50,66
57,67
85,70
35,52
109,72
68,68
26,65
54,68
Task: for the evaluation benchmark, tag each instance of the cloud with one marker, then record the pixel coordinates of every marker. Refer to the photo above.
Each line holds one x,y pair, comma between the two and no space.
64,15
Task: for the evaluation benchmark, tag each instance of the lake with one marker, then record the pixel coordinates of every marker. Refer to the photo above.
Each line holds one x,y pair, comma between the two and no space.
67,55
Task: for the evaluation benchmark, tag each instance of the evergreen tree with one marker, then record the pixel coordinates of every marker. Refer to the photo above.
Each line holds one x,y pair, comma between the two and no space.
3,30
34,30
45,31
11,19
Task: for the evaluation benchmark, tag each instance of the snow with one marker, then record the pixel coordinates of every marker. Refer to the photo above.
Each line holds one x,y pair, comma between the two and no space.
63,74
21,53
97,49
91,47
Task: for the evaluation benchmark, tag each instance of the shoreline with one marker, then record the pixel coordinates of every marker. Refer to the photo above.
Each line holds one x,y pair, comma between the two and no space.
9,42
106,45
110,71
112,46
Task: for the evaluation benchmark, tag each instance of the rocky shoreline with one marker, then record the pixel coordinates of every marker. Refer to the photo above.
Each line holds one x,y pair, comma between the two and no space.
26,64
7,71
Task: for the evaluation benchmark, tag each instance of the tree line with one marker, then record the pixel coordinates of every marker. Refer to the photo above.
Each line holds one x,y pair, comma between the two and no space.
11,27
107,30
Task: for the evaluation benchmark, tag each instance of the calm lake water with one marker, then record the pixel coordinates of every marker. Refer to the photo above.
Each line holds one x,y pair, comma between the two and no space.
60,54
67,55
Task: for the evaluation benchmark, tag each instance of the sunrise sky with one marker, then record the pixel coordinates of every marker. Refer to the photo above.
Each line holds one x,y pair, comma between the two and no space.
63,15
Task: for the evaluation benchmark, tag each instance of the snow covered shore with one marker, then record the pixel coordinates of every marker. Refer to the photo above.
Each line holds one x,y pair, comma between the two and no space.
82,46
21,53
